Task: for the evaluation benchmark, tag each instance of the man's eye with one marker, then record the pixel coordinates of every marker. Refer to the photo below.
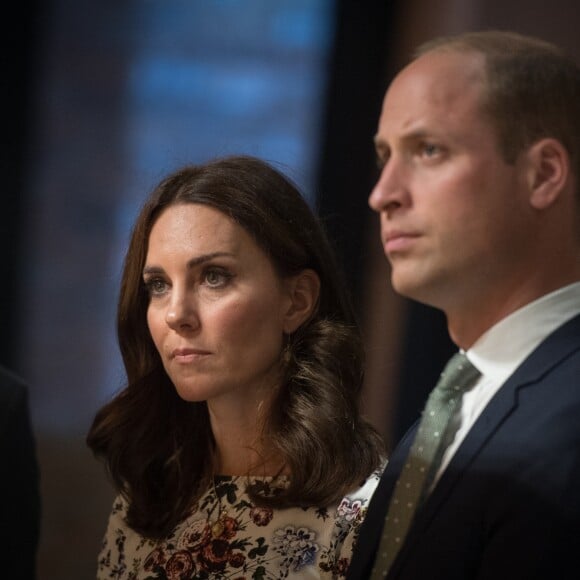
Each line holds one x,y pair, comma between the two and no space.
382,158
430,150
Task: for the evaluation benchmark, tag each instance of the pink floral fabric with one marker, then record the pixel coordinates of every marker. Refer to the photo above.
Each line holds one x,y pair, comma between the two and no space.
250,542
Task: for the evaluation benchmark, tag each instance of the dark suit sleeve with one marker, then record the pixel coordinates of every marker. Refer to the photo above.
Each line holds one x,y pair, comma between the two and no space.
19,482
534,523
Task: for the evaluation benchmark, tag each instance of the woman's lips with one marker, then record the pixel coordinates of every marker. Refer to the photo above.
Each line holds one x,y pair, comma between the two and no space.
188,355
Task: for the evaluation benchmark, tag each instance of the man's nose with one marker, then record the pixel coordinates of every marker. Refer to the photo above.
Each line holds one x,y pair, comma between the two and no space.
391,190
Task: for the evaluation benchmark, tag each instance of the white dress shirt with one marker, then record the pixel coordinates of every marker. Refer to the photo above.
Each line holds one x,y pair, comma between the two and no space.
504,347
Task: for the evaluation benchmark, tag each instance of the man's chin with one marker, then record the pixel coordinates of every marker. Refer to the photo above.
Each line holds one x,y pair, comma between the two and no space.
414,288
405,284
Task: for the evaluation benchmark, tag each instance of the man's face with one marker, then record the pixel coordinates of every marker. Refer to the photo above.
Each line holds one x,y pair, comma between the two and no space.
453,212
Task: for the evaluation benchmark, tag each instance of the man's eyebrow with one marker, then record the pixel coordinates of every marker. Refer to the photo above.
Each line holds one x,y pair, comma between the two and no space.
414,135
190,264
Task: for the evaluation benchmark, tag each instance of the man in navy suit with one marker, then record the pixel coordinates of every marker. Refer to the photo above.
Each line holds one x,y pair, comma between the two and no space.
19,482
479,204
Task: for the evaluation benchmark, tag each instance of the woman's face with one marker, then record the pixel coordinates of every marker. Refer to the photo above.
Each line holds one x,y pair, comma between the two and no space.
218,310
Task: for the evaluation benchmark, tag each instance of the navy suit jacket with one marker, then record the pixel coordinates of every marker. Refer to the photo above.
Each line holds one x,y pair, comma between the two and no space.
19,482
508,504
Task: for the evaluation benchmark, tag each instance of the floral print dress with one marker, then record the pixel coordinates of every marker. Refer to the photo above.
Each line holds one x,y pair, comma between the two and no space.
227,536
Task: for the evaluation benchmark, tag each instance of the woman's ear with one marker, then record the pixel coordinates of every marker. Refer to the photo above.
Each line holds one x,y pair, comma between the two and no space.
548,171
304,290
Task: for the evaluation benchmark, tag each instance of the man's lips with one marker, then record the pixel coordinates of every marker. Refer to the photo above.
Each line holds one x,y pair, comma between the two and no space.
398,241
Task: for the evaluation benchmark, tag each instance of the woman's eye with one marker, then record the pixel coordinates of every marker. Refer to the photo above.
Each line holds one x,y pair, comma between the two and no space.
156,286
216,278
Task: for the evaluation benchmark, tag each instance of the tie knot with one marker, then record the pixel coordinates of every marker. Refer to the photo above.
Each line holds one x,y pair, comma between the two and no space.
458,375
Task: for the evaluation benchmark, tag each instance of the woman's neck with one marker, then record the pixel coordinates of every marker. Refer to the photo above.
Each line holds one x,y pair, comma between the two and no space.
245,461
240,448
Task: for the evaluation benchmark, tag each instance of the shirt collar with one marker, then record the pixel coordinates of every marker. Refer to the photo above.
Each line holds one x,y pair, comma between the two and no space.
500,350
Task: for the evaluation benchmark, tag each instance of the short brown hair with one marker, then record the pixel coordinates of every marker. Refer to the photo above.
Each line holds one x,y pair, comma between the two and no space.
533,89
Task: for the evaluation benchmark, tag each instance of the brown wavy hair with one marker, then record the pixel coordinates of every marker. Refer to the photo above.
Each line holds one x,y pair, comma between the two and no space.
158,448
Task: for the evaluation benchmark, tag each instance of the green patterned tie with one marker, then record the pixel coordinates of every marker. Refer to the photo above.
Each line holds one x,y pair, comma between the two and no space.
437,429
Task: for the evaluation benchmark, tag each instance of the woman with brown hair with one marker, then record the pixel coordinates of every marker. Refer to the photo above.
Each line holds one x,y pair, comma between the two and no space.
237,446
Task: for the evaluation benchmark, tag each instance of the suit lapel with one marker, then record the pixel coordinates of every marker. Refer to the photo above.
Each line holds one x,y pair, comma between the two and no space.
372,526
557,347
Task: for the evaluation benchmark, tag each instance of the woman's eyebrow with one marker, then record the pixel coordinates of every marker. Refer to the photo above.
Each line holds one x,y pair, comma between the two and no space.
190,264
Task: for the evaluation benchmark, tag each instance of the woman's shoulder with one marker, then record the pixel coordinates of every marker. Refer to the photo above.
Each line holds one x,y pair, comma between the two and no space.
367,487
354,504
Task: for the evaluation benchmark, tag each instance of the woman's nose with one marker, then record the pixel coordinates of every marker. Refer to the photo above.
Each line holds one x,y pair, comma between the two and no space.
182,312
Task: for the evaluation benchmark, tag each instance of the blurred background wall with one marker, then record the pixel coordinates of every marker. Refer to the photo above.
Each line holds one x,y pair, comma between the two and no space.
100,99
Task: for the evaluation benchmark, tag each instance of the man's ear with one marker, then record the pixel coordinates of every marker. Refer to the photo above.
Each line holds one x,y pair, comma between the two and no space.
304,290
548,171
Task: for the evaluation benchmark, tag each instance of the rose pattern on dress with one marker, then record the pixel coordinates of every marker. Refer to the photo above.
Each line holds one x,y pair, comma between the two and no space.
261,516
252,543
180,566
